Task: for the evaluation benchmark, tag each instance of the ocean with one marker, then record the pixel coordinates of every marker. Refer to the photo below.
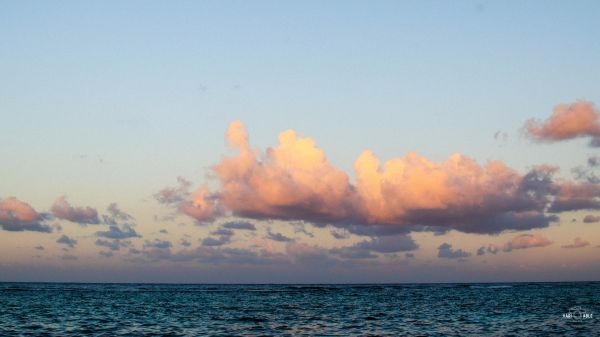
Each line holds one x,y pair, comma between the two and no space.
507,309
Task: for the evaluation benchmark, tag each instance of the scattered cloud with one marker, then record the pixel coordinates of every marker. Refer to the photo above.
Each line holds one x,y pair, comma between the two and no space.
490,249
39,247
525,241
18,216
277,236
115,215
568,121
159,244
245,225
112,244
106,254
81,215
340,234
577,243
591,218
65,240
445,251
69,257
115,232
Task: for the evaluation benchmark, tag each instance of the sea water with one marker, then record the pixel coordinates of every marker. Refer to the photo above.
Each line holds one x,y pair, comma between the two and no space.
517,309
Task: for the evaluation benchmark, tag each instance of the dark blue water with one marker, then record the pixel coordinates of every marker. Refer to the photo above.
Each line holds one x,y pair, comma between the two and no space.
519,309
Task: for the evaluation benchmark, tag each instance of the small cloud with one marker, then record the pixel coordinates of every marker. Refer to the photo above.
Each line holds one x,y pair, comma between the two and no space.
525,241
277,236
163,231
115,215
112,244
81,215
591,218
245,225
160,244
577,243
18,216
340,235
114,232
39,247
69,257
445,251
65,240
212,242
106,254
568,121
491,249
184,242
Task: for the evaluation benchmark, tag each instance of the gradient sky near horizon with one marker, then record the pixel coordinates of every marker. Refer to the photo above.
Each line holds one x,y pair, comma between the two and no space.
145,141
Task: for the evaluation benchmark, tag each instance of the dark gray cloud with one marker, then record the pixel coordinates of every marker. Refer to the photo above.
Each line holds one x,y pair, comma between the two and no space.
491,249
277,236
385,244
445,251
81,215
159,244
115,232
65,240
214,242
245,225
340,234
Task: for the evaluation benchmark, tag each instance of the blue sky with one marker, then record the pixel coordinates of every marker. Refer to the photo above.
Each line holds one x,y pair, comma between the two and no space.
111,101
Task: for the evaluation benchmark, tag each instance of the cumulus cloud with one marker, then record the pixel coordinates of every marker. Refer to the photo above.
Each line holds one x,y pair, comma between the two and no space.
115,232
18,216
525,241
244,225
591,218
294,181
65,240
568,121
577,243
445,251
81,215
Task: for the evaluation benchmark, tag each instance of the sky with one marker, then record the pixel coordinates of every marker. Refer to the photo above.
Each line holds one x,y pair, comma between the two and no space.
299,142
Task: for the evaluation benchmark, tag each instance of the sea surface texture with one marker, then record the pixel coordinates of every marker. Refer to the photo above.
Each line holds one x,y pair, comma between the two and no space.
514,309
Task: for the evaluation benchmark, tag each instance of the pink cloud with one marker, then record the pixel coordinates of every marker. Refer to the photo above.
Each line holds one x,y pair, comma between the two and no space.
294,180
577,243
525,241
17,216
575,120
